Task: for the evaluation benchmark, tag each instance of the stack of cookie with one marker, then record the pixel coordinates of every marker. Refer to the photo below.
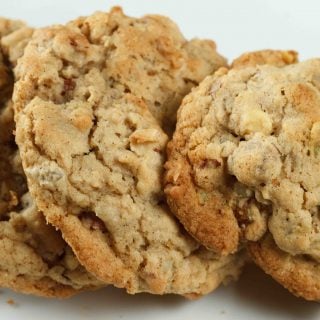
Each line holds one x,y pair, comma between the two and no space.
89,195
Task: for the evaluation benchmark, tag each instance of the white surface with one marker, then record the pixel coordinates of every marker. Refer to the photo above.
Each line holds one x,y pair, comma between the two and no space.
236,26
254,297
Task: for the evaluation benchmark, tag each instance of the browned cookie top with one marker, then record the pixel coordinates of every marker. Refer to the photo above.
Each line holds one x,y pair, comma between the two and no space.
244,166
279,58
147,57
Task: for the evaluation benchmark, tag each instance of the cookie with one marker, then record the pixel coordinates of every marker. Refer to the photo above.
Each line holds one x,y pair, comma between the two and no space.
93,147
33,256
245,156
161,71
199,189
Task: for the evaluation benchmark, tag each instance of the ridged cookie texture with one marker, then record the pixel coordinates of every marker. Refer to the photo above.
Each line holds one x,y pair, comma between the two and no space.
33,256
245,154
92,100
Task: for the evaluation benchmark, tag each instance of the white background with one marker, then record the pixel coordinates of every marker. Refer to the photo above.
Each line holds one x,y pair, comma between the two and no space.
236,26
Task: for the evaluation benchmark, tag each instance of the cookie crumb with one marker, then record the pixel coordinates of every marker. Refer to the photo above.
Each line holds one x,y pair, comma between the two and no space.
11,302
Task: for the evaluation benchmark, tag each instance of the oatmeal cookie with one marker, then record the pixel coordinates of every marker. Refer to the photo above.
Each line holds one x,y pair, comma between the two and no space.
200,190
33,256
90,119
244,168
147,57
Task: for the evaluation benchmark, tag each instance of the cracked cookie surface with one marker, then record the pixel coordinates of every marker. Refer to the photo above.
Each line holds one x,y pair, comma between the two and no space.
34,258
147,57
245,152
93,148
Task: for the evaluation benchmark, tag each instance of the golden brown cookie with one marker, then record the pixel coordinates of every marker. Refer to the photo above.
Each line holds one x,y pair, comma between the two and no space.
33,256
199,188
89,129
